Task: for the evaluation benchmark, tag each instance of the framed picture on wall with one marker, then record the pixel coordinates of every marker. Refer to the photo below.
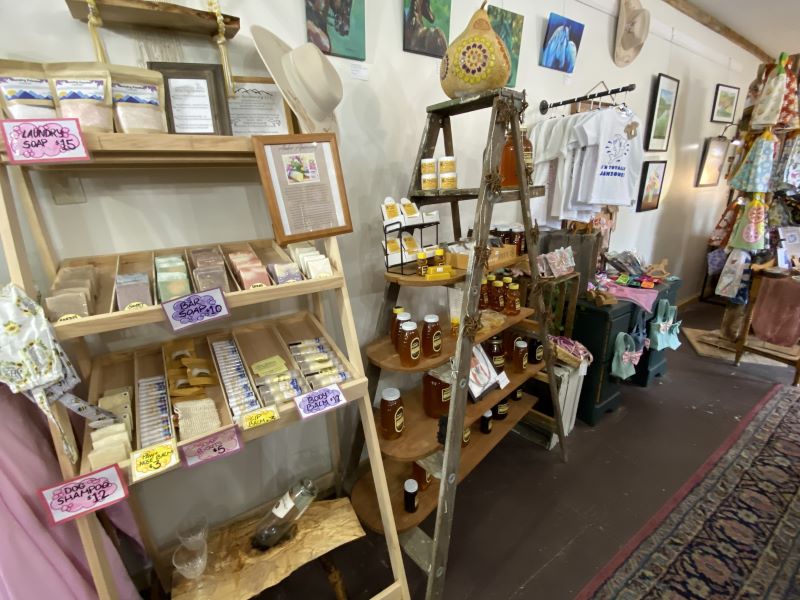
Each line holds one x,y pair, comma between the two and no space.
725,99
508,25
662,113
426,26
303,184
650,185
713,160
258,108
338,28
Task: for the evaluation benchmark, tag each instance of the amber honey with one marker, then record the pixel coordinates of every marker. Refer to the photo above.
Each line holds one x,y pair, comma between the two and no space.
409,346
431,336
436,394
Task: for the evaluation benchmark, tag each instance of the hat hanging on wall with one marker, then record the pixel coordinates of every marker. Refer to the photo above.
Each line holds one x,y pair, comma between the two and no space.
633,25
306,78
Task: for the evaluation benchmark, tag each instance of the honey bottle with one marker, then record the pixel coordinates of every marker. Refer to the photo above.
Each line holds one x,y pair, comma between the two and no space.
483,299
494,350
393,326
422,264
408,344
497,297
520,356
455,325
527,154
438,257
512,306
508,162
403,317
431,336
436,394
392,414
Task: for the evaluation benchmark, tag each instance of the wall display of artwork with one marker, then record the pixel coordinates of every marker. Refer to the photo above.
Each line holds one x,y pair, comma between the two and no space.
426,26
662,113
337,27
713,160
725,99
508,25
650,185
561,43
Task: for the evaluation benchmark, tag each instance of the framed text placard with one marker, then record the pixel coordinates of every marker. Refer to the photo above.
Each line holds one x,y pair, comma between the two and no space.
303,184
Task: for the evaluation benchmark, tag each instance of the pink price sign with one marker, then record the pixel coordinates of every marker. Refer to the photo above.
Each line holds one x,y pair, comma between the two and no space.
85,494
214,446
30,141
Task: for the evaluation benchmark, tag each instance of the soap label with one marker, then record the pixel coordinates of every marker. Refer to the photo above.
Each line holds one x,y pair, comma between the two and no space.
259,417
85,494
194,309
217,445
31,141
319,401
153,460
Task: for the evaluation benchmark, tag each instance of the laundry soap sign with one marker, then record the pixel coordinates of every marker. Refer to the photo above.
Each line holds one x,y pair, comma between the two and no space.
84,494
194,309
152,460
30,141
319,401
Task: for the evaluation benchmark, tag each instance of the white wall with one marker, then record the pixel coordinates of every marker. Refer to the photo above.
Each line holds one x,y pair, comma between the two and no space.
380,121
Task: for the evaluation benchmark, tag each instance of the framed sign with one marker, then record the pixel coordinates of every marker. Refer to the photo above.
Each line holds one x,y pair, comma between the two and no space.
714,152
303,184
662,113
726,97
650,185
196,101
258,108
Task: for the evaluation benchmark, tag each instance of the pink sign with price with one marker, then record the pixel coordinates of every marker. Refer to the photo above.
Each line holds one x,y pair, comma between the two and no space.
214,446
85,494
30,141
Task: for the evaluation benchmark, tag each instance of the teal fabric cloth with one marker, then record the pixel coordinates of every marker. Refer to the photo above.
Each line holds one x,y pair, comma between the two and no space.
624,349
659,327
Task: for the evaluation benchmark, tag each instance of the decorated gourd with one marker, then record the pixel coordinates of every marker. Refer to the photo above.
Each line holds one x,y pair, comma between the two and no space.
476,61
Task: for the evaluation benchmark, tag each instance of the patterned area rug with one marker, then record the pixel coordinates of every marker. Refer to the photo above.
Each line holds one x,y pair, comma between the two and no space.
733,530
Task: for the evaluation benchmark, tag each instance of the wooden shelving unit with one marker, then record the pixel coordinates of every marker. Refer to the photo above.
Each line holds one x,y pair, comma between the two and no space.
459,275
425,197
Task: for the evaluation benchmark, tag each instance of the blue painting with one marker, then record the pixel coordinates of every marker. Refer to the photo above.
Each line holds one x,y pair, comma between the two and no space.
561,42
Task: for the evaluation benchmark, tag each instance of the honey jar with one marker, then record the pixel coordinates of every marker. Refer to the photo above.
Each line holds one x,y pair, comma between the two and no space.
483,298
518,238
436,393
431,336
438,257
520,356
402,317
409,345
455,325
510,338
421,476
494,350
512,300
448,181
392,415
500,410
427,166
422,264
536,351
429,181
497,296
393,326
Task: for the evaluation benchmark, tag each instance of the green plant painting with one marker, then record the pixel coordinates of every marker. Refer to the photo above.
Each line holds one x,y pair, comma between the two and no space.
337,27
666,99
508,25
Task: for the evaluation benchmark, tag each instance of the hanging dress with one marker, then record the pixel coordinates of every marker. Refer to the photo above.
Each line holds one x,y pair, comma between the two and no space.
756,170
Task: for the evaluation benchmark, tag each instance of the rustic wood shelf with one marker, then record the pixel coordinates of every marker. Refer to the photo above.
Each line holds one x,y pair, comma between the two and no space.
426,197
458,274
382,354
155,14
365,502
419,434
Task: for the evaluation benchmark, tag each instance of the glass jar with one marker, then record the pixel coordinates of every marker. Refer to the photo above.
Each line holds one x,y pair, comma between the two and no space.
527,154
455,325
392,414
410,500
508,163
486,422
518,238
512,300
422,264
510,338
431,336
436,394
421,476
500,410
535,351
494,350
483,298
281,522
403,317
408,344
497,297
393,326
438,257
520,356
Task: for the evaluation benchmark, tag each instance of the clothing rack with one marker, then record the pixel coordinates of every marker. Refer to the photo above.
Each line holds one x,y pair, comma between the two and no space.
544,106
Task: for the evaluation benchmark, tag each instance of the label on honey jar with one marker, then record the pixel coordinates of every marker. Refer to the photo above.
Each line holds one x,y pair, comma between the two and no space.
399,420
466,435
446,393
502,408
524,361
499,361
539,352
437,341
517,305
415,347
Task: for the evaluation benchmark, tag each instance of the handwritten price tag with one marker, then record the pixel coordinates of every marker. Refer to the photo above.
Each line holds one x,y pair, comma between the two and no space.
85,494
319,401
194,309
31,141
155,459
259,417
214,446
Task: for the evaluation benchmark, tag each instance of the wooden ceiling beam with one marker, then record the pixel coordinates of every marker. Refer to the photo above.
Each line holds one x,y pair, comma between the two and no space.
715,25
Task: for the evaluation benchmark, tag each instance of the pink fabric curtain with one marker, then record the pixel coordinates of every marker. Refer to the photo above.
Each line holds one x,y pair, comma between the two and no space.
38,560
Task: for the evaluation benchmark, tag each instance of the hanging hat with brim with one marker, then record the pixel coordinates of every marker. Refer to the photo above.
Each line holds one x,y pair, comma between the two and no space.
633,25
306,78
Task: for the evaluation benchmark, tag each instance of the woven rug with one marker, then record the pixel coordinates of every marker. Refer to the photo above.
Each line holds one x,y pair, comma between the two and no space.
733,530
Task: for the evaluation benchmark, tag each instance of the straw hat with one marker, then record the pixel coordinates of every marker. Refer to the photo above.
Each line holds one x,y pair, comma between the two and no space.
633,25
306,78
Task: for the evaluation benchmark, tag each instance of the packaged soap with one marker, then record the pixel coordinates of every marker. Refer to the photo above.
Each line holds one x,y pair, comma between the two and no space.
170,264
132,288
172,285
320,267
253,276
138,100
207,278
66,303
83,91
24,91
284,272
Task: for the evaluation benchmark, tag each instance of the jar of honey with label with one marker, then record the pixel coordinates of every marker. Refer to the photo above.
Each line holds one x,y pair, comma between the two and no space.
438,257
409,346
483,297
494,350
500,410
392,416
401,318
455,325
520,356
535,351
393,327
431,336
508,163
497,299
518,237
510,338
512,299
436,392
421,476
422,264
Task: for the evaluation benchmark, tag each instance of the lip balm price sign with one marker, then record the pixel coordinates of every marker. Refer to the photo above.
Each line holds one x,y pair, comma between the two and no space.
85,494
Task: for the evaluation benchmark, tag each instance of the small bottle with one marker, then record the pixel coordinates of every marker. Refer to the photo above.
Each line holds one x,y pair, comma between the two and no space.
486,422
497,297
518,236
494,350
508,162
520,356
483,298
392,414
422,264
504,233
410,501
281,522
527,154
409,346
421,476
535,351
490,278
465,437
393,327
500,410
431,336
512,300
403,317
455,325
517,395
438,257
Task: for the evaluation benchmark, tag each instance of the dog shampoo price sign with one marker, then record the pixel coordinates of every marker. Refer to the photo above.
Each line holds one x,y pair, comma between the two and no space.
155,459
84,494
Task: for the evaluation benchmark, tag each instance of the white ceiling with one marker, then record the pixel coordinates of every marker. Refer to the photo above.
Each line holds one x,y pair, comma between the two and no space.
771,25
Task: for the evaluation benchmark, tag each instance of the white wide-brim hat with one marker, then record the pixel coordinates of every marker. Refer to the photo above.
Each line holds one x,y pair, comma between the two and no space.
306,78
633,25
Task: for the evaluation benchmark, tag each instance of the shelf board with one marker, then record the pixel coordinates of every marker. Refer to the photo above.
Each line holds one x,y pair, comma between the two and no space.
419,434
459,274
382,354
426,197
365,501
473,102
155,14
236,571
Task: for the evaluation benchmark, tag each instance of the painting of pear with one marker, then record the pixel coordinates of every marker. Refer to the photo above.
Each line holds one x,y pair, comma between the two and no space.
476,61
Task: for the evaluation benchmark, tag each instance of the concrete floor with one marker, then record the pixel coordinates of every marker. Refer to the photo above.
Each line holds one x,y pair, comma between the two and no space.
528,526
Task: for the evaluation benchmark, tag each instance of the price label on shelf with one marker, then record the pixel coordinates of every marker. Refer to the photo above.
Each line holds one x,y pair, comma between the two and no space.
85,494
259,417
195,309
33,141
211,447
319,401
502,380
155,459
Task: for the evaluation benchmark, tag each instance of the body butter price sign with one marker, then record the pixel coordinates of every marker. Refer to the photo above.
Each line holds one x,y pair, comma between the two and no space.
30,141
84,494
155,459
194,309
259,417
212,447
319,401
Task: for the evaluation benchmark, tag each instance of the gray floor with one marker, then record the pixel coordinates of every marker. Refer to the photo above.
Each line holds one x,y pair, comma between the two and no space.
528,526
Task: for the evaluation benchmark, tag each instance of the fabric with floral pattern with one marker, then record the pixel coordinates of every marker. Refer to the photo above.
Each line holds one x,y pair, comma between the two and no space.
768,107
789,117
756,171
787,172
750,228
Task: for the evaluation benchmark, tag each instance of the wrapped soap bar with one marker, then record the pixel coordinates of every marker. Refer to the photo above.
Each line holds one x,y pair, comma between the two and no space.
173,285
170,264
252,276
206,257
67,302
319,267
131,288
207,278
284,272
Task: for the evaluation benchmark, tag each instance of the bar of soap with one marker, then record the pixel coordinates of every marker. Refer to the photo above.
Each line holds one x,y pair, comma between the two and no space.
173,285
67,302
252,275
170,264
133,287
284,272
207,278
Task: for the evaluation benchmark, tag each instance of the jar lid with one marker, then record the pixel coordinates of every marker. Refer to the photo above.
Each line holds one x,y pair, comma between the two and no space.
455,319
411,486
518,229
497,283
398,310
507,280
431,318
409,326
483,281
521,344
487,414
404,316
422,255
390,394
491,277
439,252
513,286
503,228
